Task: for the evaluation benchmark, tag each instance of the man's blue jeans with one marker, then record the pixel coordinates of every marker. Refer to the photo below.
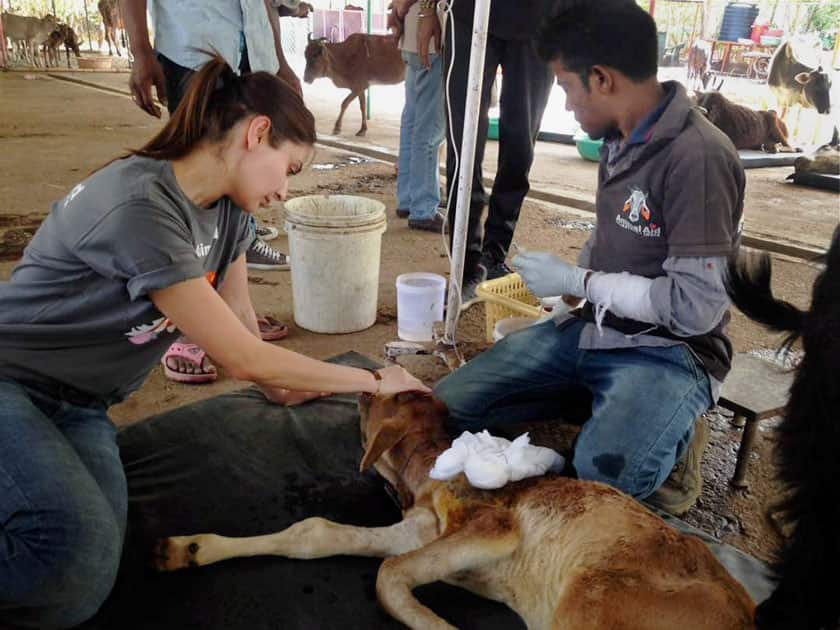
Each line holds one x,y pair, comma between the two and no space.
63,508
645,400
422,129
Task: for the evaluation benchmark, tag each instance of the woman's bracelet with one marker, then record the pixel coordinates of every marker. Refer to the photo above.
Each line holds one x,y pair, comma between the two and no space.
378,377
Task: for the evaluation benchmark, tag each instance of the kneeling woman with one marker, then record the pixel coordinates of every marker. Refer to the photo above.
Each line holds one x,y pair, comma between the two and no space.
151,244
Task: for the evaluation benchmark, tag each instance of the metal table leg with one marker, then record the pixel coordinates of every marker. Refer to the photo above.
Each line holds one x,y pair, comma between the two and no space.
747,440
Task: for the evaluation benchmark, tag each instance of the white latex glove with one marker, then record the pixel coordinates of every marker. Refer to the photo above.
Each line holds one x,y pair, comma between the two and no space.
546,275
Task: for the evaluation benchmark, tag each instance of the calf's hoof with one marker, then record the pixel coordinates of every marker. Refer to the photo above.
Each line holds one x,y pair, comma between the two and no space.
177,552
361,132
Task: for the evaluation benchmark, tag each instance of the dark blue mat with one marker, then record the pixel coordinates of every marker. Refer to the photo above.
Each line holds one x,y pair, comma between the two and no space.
238,466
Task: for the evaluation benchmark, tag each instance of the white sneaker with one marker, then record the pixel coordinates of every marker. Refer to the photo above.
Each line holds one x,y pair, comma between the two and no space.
267,233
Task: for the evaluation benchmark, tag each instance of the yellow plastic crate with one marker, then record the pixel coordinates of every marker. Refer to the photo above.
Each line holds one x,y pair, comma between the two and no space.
506,297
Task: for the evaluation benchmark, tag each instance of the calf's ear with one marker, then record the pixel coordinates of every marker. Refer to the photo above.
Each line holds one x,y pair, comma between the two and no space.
387,436
804,78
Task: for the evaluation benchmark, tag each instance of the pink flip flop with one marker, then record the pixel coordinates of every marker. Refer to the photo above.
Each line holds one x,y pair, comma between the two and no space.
272,329
195,355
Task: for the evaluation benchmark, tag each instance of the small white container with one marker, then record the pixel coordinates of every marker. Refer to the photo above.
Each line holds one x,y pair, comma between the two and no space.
420,298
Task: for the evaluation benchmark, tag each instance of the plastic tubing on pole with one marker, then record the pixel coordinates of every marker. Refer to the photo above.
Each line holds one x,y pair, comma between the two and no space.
481,18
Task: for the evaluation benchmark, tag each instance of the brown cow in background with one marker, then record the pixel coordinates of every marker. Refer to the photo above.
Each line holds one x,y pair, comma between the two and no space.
356,63
747,128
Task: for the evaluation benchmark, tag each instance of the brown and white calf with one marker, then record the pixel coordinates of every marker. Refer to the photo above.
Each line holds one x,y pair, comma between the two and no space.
747,128
356,63
65,35
564,554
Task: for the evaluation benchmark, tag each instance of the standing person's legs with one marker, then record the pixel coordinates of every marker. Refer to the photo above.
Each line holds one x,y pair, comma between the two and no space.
524,377
62,509
526,85
457,62
407,132
429,127
177,78
645,402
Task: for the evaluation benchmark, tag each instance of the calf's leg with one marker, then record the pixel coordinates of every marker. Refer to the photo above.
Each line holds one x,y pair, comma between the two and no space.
490,537
344,104
307,539
363,107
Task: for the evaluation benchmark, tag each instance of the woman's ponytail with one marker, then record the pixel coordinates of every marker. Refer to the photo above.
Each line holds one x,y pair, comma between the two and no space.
217,98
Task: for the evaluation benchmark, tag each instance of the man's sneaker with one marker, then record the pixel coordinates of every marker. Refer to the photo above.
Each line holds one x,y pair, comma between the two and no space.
471,282
435,224
403,213
267,233
498,270
261,256
683,486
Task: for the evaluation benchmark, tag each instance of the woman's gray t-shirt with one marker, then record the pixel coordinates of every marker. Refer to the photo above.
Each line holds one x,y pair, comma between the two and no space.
77,312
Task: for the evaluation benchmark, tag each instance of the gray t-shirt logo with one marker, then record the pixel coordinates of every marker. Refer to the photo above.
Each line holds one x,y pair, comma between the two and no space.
636,208
145,333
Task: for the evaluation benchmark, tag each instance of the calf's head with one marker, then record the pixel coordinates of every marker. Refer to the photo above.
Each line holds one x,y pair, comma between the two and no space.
317,64
386,420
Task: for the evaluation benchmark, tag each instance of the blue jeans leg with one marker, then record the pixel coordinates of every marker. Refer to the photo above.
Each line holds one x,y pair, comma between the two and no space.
426,129
406,136
645,403
645,400
524,377
63,510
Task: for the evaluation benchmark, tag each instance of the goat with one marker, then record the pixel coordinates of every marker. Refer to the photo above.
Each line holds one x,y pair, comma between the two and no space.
806,448
563,553
747,128
356,63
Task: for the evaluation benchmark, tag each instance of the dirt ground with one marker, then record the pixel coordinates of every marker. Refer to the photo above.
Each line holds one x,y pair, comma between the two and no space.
53,133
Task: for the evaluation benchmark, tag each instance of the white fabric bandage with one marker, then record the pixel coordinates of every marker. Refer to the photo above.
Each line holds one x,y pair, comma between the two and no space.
623,294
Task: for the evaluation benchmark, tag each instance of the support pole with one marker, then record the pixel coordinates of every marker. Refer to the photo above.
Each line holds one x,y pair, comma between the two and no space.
87,28
481,18
3,61
369,29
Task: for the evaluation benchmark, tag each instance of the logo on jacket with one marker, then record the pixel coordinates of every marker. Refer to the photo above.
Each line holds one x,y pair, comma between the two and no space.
636,216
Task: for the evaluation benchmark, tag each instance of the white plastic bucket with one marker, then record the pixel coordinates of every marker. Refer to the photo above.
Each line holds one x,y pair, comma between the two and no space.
420,299
510,325
334,250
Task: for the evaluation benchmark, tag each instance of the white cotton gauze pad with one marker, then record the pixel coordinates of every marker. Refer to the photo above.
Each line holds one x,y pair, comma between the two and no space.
526,460
451,462
487,470
490,462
